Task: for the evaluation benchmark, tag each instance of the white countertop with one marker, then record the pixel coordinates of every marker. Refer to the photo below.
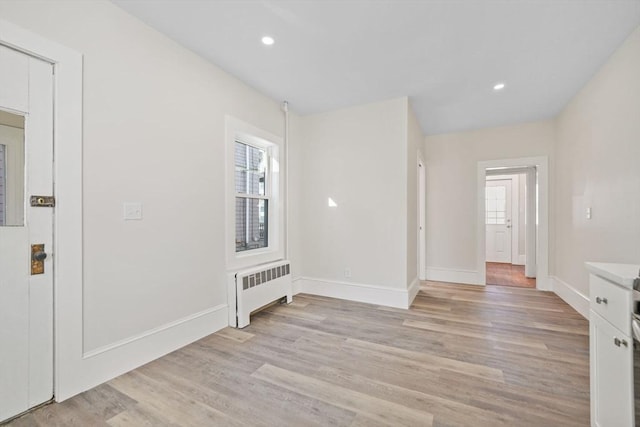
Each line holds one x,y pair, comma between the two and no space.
622,274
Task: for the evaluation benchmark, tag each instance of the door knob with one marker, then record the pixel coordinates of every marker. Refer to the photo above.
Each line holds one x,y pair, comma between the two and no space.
38,256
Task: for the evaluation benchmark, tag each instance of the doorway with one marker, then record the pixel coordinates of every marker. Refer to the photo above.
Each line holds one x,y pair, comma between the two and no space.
505,226
26,271
512,245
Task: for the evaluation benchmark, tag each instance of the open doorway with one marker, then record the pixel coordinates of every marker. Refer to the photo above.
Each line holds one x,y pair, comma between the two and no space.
507,249
505,228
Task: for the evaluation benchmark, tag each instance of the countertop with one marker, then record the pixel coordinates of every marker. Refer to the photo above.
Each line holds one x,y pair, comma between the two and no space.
622,274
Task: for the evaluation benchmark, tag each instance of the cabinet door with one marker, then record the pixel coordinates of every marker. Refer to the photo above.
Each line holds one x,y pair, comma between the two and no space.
611,375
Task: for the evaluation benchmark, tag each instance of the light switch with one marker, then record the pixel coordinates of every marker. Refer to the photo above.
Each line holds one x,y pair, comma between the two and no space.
588,213
132,210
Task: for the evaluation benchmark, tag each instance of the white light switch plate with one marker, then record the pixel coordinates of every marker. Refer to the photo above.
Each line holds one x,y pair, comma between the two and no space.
132,210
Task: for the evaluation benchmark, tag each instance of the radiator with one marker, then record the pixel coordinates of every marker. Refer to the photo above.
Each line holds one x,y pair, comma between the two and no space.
254,288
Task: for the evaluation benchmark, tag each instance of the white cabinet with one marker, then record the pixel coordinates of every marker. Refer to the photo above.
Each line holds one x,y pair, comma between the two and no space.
611,375
611,352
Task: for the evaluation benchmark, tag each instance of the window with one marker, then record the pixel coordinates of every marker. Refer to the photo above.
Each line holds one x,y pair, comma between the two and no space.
254,232
252,197
496,205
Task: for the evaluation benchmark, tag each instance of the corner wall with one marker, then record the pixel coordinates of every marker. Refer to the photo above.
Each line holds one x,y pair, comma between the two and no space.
357,157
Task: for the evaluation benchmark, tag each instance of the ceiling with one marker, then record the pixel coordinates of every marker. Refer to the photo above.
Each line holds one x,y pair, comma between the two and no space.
445,55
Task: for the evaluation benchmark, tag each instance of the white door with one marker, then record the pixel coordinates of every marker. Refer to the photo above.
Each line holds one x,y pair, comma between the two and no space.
498,220
26,301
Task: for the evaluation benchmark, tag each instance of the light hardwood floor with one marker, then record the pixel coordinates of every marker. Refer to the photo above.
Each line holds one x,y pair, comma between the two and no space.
461,356
505,274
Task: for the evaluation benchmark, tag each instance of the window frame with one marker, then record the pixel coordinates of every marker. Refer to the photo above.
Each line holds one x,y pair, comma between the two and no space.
267,188
245,133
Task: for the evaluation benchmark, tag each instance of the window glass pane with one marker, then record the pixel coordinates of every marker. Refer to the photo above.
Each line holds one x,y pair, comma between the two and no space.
11,169
501,192
252,217
490,192
251,169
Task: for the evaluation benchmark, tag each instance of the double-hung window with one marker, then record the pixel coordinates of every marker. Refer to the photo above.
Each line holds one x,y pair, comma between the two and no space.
254,209
252,196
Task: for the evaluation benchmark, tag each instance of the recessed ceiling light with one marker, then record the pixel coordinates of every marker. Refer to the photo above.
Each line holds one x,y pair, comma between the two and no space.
268,40
498,86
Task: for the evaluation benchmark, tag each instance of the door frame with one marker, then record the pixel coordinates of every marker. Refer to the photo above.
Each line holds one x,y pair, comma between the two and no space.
541,163
67,172
422,218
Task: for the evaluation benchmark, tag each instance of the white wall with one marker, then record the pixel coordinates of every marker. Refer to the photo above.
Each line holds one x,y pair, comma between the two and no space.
357,157
296,190
452,190
153,132
597,157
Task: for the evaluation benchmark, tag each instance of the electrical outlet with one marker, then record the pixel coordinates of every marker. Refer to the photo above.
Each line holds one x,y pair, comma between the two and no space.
132,210
588,213
347,272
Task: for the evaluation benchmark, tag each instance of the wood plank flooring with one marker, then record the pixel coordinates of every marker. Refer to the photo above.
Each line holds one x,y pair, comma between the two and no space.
503,274
461,356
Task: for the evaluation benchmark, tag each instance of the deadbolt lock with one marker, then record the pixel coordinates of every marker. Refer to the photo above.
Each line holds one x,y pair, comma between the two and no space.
42,201
38,255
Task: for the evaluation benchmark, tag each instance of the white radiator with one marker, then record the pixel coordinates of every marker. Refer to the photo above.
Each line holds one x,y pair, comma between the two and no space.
256,287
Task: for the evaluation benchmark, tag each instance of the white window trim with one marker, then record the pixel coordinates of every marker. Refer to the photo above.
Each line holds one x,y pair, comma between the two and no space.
237,130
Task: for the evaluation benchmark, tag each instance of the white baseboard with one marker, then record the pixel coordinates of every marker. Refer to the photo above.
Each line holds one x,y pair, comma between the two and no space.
379,295
102,364
469,277
571,296
414,288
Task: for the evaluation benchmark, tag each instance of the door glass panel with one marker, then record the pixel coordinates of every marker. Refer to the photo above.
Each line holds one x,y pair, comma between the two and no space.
11,169
496,205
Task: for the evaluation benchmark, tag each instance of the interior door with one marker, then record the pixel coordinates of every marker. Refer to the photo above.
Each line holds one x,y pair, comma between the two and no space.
498,220
26,300
422,222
